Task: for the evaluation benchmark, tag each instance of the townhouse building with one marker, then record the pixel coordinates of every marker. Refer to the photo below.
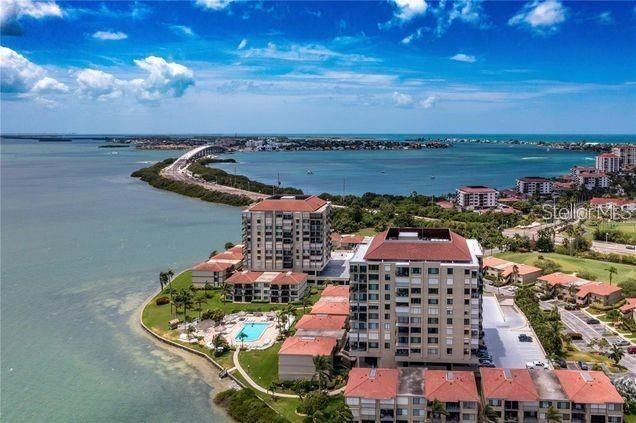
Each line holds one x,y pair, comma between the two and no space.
288,233
275,287
407,394
534,185
416,299
476,197
218,268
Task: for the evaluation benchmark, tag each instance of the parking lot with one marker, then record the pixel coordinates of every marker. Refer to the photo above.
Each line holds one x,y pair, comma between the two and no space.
502,326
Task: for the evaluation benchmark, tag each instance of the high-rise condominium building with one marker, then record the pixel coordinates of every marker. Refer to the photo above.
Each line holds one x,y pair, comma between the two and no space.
416,299
627,154
287,233
608,162
534,185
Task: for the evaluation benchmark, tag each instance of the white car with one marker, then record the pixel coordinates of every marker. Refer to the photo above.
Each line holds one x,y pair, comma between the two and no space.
536,364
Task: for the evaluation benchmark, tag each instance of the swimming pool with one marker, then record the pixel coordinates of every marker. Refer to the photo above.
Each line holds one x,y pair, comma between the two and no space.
253,331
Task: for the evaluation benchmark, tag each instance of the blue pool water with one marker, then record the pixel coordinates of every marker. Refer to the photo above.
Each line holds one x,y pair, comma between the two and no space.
253,331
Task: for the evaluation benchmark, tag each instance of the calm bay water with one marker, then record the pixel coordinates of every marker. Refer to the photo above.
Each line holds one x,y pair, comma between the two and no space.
427,171
82,244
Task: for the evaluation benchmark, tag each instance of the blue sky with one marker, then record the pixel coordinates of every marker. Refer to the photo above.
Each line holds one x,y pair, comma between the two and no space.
406,66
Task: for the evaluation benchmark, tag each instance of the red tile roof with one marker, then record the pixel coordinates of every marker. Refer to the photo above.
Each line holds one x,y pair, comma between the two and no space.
588,387
321,322
533,179
335,291
598,201
234,253
558,278
289,203
308,346
274,278
494,261
212,266
331,305
597,288
630,304
609,155
450,386
453,249
508,384
377,384
522,269
477,189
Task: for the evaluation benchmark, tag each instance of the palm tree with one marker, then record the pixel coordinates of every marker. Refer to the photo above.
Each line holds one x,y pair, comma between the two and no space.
438,409
611,270
199,301
616,354
306,301
489,414
323,369
163,279
515,274
572,290
241,337
552,415
170,274
226,289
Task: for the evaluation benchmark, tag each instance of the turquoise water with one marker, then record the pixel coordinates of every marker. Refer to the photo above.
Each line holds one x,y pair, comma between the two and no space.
82,245
427,171
253,331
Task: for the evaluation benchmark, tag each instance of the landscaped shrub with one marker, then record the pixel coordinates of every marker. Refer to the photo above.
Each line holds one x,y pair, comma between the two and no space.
244,406
162,301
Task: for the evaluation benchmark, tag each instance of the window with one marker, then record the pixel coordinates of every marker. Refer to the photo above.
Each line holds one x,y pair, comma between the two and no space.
416,271
387,297
402,271
449,291
545,404
562,405
449,351
433,301
433,291
449,271
387,345
433,271
387,277
373,345
449,301
387,286
433,321
494,403
449,321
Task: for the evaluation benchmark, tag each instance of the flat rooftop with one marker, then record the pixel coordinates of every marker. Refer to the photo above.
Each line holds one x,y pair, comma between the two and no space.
547,385
411,381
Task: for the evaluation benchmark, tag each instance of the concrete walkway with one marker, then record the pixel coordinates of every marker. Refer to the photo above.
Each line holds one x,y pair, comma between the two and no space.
259,388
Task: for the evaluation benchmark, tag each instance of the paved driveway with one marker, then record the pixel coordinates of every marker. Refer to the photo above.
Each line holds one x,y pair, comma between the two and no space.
502,326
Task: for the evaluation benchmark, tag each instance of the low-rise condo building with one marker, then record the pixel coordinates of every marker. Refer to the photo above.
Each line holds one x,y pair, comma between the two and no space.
534,185
598,293
406,394
218,268
592,396
605,205
561,285
288,233
416,298
476,197
509,272
627,155
511,394
274,287
608,163
296,356
592,180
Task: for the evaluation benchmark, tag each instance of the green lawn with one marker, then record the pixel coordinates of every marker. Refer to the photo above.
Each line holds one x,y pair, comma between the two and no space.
571,264
262,365
630,418
157,317
367,232
286,407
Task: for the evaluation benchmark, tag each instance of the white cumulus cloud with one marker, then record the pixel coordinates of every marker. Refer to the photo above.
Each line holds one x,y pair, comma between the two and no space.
165,79
242,44
110,35
16,9
99,85
540,16
19,75
428,102
405,10
402,100
461,57
412,37
214,4
183,30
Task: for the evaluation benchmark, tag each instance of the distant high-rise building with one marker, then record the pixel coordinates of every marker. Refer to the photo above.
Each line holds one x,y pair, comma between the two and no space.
534,185
287,233
608,162
627,155
476,197
416,299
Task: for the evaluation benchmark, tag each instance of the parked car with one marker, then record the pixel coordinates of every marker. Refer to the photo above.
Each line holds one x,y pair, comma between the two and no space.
622,343
583,366
525,338
592,321
485,360
631,350
631,247
560,362
487,365
536,365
